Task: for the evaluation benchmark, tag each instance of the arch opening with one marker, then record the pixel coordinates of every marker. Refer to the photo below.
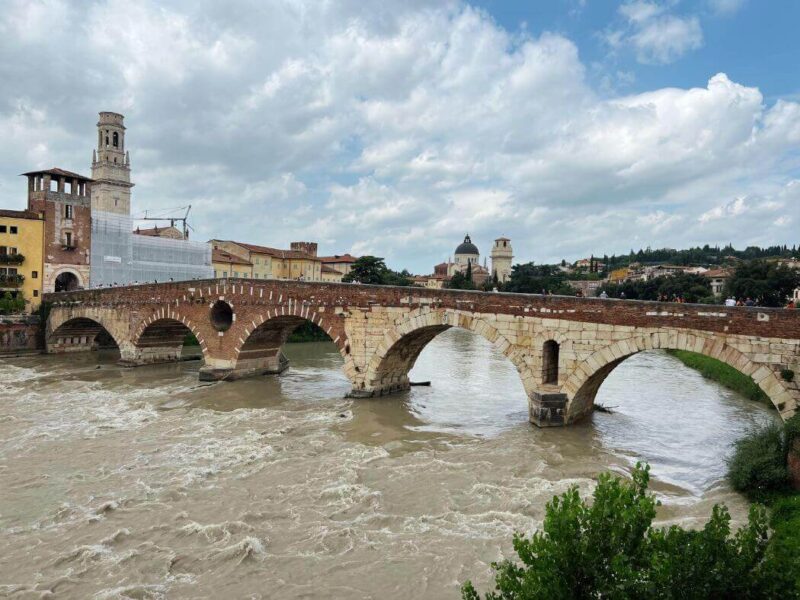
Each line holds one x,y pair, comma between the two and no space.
263,350
67,282
550,362
586,386
79,335
166,340
457,379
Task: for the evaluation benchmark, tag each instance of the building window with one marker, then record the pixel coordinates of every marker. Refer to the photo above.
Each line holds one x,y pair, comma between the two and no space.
68,211
34,274
35,293
3,229
12,229
68,238
115,139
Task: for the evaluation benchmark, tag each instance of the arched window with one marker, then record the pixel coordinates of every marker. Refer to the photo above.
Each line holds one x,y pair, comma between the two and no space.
550,362
115,139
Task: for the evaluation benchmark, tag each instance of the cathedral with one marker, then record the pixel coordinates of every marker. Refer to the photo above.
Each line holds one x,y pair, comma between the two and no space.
467,256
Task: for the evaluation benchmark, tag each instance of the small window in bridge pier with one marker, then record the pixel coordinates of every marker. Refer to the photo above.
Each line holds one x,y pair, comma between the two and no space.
550,362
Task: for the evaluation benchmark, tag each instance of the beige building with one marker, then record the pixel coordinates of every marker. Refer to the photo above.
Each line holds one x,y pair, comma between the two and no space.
229,265
339,262
300,262
331,275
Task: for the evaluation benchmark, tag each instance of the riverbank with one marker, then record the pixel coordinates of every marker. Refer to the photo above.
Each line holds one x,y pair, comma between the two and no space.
724,374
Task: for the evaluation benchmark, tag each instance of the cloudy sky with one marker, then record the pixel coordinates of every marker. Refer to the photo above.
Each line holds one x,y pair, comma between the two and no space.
393,128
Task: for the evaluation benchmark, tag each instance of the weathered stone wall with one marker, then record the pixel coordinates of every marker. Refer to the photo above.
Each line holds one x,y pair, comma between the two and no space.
20,335
380,332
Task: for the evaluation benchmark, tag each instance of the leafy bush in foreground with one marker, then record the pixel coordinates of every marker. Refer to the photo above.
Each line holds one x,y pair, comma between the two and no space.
611,550
758,465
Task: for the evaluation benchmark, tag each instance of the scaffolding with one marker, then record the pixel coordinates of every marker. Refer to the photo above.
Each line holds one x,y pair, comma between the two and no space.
121,257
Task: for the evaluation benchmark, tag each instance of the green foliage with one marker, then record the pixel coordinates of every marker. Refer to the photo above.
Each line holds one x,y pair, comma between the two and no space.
722,373
691,287
768,283
308,332
373,270
535,279
190,340
460,281
787,375
12,259
758,465
705,255
10,304
611,550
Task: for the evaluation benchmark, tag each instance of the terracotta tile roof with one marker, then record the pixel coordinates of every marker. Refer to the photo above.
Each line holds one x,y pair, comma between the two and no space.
714,273
19,214
220,256
276,252
338,258
58,173
327,269
156,231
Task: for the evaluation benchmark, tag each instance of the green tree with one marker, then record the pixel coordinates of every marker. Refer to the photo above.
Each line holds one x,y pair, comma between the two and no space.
691,287
610,549
373,270
766,282
534,279
460,281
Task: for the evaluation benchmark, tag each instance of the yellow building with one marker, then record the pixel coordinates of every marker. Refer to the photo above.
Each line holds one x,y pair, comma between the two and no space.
227,265
298,263
21,250
331,275
618,275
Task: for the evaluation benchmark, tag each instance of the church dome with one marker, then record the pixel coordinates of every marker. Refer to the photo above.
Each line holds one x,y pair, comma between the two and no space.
467,247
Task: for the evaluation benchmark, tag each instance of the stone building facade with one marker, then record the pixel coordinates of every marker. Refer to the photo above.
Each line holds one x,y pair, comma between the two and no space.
502,256
63,198
111,167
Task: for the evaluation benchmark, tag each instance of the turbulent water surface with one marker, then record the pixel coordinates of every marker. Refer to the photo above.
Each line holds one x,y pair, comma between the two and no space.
144,483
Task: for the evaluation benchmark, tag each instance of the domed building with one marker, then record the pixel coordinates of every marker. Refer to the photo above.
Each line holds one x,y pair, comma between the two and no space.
466,253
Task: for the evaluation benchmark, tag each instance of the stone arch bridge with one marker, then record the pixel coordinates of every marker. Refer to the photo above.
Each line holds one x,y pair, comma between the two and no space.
562,347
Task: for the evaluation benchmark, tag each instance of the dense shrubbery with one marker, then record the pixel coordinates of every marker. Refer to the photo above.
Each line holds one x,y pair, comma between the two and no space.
308,332
611,550
10,304
758,465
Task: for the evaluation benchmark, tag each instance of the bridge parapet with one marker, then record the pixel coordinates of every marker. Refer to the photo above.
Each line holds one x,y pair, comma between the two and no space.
563,347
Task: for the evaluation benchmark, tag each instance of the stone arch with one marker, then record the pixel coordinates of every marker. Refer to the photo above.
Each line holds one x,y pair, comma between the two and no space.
259,350
582,385
165,330
388,367
75,330
67,274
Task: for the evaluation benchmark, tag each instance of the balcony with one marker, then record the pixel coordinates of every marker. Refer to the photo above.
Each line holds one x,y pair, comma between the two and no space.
12,259
11,279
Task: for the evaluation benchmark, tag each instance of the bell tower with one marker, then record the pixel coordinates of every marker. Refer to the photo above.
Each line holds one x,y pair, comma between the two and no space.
502,255
111,167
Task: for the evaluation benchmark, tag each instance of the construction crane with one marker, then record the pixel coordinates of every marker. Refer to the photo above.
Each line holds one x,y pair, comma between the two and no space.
172,220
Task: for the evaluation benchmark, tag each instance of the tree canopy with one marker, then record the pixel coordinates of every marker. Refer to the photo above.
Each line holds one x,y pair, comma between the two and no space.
373,270
691,287
610,549
769,283
536,279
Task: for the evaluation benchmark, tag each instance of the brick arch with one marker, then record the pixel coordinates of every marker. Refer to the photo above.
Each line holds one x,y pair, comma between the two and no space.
404,342
169,317
582,385
59,318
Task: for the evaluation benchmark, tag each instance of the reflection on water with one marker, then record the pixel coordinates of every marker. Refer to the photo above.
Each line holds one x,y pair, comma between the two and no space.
146,483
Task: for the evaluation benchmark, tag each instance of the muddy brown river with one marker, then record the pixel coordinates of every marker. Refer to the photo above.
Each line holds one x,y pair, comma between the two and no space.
145,483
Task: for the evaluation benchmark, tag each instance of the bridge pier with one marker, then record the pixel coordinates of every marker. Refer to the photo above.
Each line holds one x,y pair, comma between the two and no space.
547,409
224,370
151,355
